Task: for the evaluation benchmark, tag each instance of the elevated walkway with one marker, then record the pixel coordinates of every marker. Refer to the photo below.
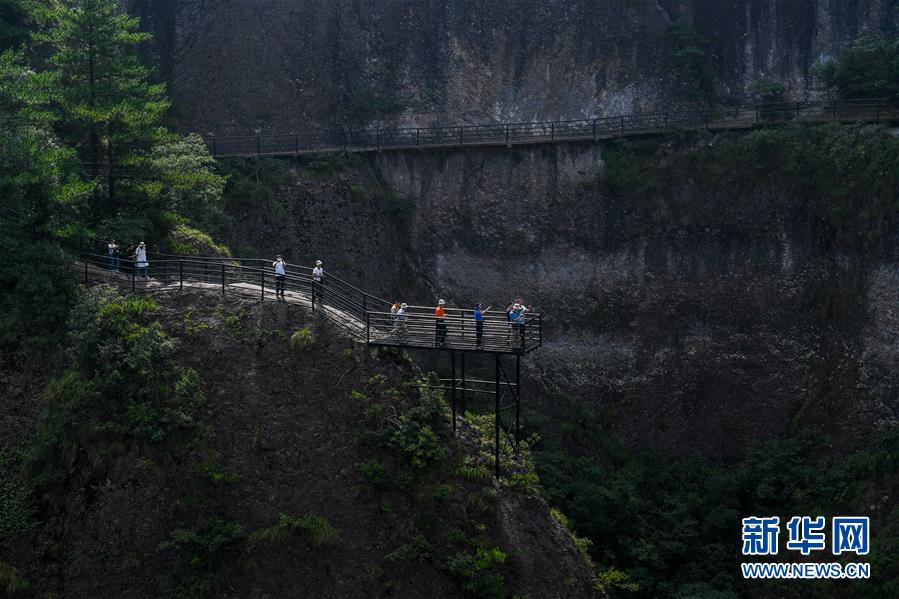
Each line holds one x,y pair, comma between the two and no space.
360,315
550,132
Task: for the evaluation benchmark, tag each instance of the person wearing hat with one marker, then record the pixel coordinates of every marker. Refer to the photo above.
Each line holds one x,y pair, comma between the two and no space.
479,325
280,275
140,260
317,287
399,322
517,317
440,317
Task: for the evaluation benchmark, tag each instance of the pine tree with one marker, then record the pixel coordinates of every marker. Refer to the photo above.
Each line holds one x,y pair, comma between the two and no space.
106,105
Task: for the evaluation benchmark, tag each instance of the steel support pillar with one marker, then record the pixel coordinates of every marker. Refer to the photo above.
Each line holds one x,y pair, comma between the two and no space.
464,407
453,387
496,423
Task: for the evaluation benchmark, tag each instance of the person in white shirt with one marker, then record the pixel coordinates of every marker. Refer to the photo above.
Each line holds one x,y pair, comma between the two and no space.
113,249
318,274
140,260
399,324
280,274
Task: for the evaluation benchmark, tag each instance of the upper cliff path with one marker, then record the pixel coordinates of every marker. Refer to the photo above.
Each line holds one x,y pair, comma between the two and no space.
508,134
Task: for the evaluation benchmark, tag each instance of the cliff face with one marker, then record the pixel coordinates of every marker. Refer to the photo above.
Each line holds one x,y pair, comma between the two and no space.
292,65
287,432
703,318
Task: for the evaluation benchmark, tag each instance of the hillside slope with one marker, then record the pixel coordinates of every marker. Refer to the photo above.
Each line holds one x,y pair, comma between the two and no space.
373,496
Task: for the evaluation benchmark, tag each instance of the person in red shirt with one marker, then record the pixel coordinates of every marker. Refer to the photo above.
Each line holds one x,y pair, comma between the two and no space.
440,317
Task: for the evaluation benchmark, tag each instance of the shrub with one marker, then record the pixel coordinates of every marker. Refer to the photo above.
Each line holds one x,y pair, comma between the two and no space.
442,492
869,68
313,527
201,553
217,473
193,242
375,474
302,340
118,387
478,573
15,501
419,549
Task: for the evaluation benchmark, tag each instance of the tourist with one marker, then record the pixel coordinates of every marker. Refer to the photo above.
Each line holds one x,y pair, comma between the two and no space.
440,317
280,275
518,317
479,325
140,260
399,323
113,250
318,291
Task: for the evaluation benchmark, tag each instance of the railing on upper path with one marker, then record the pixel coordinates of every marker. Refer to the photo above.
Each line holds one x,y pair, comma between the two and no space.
554,131
362,315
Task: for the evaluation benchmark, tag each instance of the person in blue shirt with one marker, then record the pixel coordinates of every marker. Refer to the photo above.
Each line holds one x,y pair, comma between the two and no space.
479,324
517,318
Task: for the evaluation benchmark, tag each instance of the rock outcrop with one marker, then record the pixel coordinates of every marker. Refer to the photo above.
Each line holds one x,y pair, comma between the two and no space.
294,65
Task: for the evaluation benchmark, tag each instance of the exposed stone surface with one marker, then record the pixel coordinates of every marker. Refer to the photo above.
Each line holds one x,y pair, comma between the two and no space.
715,327
236,66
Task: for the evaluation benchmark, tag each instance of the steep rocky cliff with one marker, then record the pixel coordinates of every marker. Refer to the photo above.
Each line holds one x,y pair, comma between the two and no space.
287,65
285,486
699,300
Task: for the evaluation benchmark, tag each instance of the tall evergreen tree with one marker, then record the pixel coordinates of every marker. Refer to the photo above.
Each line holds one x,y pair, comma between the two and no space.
106,105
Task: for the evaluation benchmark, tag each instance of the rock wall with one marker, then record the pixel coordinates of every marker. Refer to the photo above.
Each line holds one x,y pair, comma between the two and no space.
290,65
720,324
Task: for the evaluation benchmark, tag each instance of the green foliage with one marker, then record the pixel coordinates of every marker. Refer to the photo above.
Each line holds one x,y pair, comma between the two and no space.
186,183
122,384
302,340
41,201
414,435
839,180
313,527
190,326
11,584
869,68
102,94
418,550
192,242
691,59
768,91
478,571
14,25
201,553
327,164
16,510
666,524
217,473
357,395
254,181
443,492
374,473
613,578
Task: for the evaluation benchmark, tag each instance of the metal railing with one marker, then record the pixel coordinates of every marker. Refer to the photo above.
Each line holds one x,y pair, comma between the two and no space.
457,330
360,314
873,110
